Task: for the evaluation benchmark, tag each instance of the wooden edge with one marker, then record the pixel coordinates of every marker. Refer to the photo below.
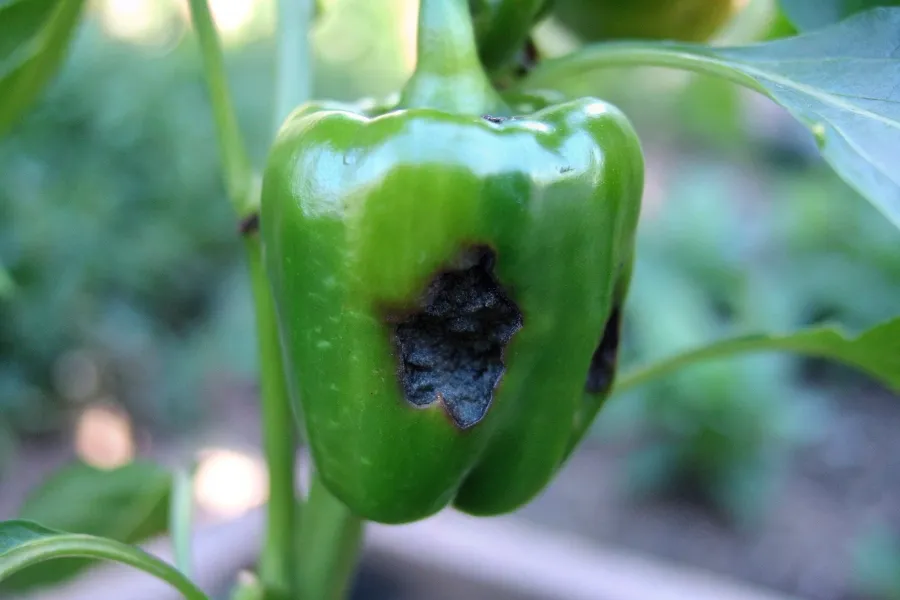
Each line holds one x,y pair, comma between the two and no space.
512,554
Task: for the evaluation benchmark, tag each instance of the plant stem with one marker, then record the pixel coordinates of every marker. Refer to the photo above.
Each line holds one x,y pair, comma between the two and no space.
807,343
293,72
277,559
235,162
330,541
279,440
688,57
445,40
448,74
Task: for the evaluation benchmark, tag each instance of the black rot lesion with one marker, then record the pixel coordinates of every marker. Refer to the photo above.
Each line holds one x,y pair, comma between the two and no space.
602,371
450,348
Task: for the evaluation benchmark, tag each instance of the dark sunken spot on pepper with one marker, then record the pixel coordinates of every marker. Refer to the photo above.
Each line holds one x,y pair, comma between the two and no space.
603,363
451,349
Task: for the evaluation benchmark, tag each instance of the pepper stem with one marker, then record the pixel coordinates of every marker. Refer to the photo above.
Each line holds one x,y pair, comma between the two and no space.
329,544
448,74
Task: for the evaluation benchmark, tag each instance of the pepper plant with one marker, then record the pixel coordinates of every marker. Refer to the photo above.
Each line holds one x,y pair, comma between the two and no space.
439,276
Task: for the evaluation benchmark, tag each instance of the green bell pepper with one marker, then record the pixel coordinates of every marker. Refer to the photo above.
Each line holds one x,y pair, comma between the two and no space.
447,279
682,20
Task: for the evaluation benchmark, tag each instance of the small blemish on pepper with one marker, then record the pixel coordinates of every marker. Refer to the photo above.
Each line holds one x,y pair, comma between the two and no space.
249,225
603,363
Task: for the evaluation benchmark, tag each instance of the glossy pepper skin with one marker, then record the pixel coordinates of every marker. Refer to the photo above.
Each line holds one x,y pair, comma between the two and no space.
681,20
447,285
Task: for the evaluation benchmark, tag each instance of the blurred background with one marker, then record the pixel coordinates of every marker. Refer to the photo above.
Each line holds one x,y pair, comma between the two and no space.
126,325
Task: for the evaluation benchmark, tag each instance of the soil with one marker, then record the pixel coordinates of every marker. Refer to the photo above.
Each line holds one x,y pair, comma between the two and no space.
833,492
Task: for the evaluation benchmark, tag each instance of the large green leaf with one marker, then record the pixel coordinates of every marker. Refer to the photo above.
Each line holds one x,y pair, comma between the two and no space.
807,15
24,544
127,504
875,352
841,82
34,36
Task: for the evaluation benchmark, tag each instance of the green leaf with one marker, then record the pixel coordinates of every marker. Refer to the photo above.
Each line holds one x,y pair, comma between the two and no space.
34,36
875,352
128,504
841,82
25,543
807,15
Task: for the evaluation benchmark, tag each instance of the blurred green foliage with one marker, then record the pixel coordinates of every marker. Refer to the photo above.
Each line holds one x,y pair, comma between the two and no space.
118,244
114,229
876,562
718,431
840,254
745,230
715,261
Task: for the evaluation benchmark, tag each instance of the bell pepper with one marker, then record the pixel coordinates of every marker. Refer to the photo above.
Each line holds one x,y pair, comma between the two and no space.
447,278
681,20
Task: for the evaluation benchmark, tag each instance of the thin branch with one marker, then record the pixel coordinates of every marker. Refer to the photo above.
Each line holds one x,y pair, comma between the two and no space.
235,161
